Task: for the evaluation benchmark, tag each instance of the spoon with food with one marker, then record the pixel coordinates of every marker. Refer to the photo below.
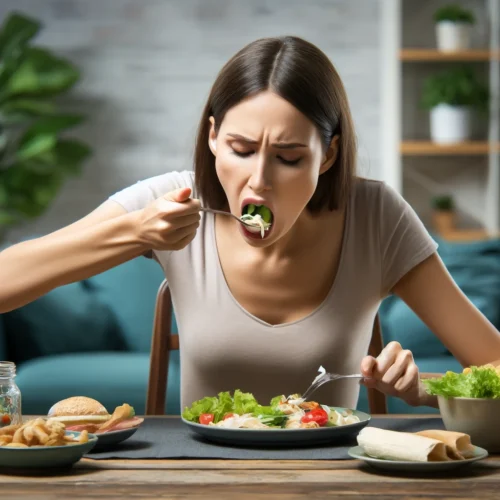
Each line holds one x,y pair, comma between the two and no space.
257,218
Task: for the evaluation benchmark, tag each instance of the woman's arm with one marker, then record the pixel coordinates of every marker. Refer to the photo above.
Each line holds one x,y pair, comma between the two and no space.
104,239
429,290
432,294
99,241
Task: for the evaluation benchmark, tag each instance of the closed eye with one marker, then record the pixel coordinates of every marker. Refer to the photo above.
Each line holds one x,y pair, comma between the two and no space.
290,162
242,155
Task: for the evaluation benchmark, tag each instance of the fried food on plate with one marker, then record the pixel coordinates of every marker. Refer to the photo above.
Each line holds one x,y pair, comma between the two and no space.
39,432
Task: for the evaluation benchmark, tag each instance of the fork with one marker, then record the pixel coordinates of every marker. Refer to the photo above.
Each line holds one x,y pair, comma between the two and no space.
326,377
211,210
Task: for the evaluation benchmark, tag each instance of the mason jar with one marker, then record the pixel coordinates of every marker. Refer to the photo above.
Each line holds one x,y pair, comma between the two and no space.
10,395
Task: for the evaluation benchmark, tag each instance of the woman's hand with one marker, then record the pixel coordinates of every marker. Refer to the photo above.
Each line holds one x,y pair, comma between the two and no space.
170,222
394,373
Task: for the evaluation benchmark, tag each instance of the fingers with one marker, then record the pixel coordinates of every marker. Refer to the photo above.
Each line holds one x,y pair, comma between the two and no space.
183,242
178,195
402,361
171,210
409,380
182,232
186,220
387,357
368,364
394,372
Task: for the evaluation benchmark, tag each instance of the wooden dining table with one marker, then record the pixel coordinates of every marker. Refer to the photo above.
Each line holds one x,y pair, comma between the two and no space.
248,480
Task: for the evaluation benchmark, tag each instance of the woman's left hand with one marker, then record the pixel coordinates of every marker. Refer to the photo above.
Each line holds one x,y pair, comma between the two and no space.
394,373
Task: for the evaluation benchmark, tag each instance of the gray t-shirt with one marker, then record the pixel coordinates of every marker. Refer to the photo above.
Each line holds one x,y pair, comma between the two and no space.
223,347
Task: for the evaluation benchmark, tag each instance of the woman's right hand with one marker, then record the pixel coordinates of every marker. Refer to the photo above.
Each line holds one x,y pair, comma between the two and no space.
170,222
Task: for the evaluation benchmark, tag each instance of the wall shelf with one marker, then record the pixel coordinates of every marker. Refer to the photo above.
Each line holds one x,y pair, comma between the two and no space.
412,165
430,55
426,148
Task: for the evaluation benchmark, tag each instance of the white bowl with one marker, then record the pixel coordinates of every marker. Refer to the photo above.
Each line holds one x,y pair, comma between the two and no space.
473,416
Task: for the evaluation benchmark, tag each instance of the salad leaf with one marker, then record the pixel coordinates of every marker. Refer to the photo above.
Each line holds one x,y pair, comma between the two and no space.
224,405
473,382
276,400
205,405
241,403
244,402
270,415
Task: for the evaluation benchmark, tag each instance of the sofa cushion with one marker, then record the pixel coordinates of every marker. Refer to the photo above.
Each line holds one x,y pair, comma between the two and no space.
130,291
67,319
113,378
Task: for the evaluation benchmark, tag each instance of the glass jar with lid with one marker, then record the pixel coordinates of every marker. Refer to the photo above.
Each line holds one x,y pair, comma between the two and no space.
10,395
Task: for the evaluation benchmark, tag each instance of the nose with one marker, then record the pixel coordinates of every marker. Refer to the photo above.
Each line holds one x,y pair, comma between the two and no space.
260,179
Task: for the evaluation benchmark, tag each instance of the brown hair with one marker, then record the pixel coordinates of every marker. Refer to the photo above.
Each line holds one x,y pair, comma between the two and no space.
300,73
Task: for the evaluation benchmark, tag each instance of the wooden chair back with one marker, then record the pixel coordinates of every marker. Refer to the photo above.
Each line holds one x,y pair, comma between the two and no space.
164,341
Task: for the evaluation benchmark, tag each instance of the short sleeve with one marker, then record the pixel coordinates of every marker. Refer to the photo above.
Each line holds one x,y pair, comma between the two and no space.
142,193
404,240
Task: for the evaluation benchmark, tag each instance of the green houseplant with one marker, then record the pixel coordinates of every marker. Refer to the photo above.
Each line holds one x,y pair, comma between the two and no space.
450,96
453,28
35,155
443,215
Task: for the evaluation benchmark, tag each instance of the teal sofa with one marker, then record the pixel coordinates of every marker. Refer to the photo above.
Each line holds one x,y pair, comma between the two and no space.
93,337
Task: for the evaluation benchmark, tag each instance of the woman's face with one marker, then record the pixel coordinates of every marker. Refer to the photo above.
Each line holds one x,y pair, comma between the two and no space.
269,153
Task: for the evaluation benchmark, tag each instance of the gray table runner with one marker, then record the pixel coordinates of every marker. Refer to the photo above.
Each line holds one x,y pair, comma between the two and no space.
170,438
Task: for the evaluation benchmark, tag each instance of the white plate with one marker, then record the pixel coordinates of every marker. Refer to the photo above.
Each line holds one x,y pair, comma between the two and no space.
281,437
409,466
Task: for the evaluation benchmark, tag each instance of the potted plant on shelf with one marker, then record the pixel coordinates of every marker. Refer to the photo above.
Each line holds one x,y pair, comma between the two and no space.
443,214
451,96
453,28
35,159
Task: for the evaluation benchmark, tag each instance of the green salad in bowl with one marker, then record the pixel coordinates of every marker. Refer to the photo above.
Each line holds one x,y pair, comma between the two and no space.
474,382
469,402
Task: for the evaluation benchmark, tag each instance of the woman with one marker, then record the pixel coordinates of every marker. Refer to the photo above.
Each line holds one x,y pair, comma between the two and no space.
261,314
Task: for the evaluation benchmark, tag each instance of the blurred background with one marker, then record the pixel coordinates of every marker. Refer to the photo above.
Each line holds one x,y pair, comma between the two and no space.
145,69
96,95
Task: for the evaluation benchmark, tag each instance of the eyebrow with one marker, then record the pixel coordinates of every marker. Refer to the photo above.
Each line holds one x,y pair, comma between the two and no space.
281,145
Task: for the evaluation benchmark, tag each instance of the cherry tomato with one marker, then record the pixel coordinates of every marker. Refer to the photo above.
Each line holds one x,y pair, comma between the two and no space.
318,415
206,418
5,419
228,415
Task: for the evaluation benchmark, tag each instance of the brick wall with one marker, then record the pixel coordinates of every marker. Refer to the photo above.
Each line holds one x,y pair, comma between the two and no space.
148,66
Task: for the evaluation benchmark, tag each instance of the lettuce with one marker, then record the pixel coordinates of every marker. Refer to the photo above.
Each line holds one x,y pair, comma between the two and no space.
474,382
241,403
270,415
244,402
205,405
276,400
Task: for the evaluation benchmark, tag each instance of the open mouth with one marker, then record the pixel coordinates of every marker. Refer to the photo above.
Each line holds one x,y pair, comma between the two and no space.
257,218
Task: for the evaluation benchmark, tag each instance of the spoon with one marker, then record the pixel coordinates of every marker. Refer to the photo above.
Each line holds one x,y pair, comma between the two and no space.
211,210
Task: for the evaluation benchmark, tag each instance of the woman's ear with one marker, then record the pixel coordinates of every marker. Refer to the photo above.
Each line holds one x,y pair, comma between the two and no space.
331,155
212,136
